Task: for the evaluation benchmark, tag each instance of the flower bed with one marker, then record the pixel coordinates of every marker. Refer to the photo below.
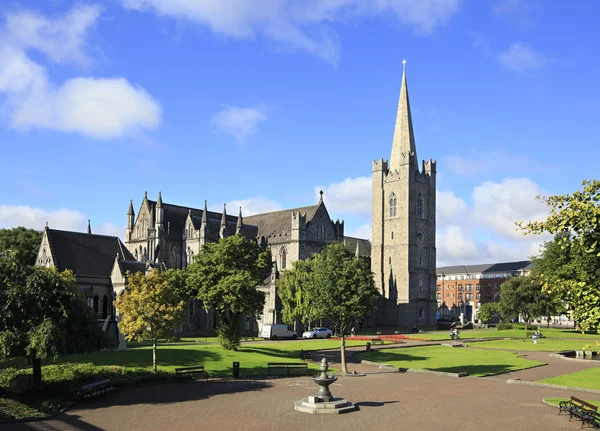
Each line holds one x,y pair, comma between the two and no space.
392,338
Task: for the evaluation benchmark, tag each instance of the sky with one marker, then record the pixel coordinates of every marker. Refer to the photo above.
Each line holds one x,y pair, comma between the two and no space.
263,104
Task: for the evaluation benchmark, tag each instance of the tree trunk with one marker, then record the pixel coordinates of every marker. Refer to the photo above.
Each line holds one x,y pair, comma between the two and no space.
154,355
37,373
343,354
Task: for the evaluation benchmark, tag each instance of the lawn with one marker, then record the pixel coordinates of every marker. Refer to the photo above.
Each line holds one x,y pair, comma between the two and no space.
555,401
543,344
508,333
589,379
453,360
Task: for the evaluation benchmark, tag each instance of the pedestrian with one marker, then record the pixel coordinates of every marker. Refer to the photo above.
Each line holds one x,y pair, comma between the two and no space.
452,334
352,331
534,339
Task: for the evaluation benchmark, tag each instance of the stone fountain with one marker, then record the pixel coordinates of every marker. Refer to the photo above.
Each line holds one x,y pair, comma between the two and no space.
324,401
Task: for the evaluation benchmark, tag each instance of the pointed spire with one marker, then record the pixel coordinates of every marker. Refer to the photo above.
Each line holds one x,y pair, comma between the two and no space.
159,201
145,196
223,229
130,210
240,223
357,249
204,214
89,229
321,196
152,212
404,140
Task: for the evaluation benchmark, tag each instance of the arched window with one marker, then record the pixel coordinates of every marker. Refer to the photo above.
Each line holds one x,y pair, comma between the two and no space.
282,258
393,205
136,254
95,304
420,312
104,307
420,206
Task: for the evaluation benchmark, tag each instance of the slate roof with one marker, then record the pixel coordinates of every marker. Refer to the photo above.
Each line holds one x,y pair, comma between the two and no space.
85,254
132,266
276,222
485,268
364,245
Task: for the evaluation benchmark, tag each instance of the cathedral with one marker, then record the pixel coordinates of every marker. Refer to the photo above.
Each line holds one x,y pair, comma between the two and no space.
166,235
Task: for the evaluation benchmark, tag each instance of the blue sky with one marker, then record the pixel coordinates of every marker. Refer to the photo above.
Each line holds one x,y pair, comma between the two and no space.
264,103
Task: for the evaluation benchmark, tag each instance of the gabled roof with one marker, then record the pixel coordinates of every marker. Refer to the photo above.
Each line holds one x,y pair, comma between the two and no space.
364,245
176,216
485,268
87,255
276,222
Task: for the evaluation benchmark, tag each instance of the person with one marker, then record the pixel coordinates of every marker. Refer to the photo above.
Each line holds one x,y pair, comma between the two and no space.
352,331
415,330
538,334
452,333
534,339
457,334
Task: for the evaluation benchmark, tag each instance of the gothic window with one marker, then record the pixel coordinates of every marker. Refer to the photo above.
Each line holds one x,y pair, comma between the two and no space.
282,257
95,304
136,255
105,307
392,235
393,205
420,312
420,206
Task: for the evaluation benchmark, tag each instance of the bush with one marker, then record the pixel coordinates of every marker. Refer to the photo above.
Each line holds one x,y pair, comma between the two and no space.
503,326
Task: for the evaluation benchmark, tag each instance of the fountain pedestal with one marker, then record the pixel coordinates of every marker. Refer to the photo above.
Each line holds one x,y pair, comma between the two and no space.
324,402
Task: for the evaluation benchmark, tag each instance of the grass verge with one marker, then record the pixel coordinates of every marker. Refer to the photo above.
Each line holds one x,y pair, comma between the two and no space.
588,379
542,345
555,401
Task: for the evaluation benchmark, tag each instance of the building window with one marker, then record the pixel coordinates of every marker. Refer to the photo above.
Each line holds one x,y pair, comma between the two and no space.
478,296
420,206
438,287
469,296
439,296
460,296
104,307
393,205
95,304
460,287
420,312
282,257
392,235
477,287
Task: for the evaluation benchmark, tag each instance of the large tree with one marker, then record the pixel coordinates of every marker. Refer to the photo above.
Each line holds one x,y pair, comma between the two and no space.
341,290
296,294
575,218
24,242
488,311
523,296
150,308
224,277
42,314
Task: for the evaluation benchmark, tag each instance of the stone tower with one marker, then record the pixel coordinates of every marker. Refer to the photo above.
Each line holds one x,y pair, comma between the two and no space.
403,250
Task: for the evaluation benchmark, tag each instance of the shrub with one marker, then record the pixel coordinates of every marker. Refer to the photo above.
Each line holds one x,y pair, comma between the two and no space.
503,326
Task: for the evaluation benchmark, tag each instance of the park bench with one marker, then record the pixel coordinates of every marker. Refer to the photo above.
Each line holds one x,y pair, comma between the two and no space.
199,369
376,341
581,410
97,388
287,366
530,334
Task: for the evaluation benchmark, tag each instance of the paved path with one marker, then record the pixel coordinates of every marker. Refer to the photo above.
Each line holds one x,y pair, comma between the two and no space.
387,400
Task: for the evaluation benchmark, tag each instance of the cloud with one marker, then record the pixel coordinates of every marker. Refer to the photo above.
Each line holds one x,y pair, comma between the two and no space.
35,218
362,231
521,57
253,205
102,108
448,207
520,12
305,26
241,123
351,196
109,229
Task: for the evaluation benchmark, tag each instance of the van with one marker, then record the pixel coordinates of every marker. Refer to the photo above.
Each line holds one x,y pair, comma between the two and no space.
273,332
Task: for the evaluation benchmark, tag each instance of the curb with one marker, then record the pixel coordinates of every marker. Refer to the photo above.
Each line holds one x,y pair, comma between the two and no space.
43,418
549,386
412,370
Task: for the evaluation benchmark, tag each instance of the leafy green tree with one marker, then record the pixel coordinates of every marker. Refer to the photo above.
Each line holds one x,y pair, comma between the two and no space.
488,311
25,243
341,289
150,308
296,294
224,277
521,296
575,217
42,314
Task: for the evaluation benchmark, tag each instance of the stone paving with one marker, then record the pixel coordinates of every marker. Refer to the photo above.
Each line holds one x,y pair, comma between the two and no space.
386,399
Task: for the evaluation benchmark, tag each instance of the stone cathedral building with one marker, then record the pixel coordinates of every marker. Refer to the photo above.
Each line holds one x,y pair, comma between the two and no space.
403,217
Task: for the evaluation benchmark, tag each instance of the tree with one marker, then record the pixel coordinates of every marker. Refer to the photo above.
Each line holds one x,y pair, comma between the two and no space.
224,277
341,289
488,311
521,296
42,314
25,243
295,292
150,308
575,217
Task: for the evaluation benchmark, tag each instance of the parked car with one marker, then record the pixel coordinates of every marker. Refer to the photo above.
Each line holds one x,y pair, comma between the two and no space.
273,332
318,333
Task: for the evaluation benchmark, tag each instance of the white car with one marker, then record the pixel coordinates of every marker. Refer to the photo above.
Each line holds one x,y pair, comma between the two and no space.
318,333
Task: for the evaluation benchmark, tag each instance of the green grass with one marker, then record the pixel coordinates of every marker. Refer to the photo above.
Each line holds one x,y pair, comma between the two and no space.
555,401
509,333
452,360
543,345
588,379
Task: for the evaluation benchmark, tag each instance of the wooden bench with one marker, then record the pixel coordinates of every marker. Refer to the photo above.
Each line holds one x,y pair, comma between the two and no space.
97,388
287,366
199,369
581,410
376,341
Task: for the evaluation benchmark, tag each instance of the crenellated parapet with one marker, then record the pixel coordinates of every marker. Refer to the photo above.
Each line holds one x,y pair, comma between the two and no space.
429,167
380,165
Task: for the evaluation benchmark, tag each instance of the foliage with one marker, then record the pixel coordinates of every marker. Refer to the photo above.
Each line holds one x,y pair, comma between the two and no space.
42,314
224,277
503,326
296,294
572,261
150,308
524,296
24,242
334,285
488,311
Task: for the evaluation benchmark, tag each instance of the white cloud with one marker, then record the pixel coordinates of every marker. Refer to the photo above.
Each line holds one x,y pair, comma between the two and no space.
520,57
351,196
362,231
109,229
35,218
299,25
448,207
253,205
522,12
241,123
101,108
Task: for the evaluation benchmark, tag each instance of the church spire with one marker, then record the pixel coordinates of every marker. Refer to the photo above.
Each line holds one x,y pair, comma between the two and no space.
223,229
89,229
403,146
204,214
240,223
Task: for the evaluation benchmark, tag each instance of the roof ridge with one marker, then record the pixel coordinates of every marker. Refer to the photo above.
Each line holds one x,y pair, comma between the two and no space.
84,233
282,211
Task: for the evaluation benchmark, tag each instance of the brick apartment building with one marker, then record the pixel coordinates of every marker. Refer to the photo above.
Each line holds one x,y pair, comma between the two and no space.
462,289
